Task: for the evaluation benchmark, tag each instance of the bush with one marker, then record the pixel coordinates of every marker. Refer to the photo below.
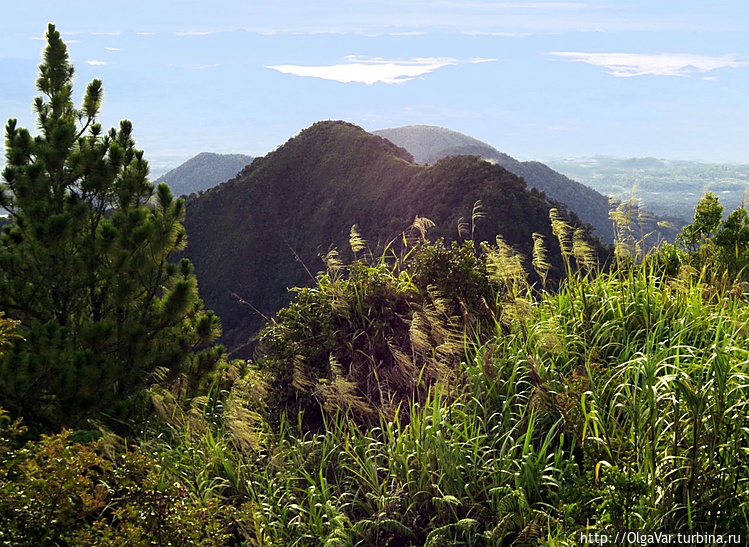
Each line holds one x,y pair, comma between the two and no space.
385,332
56,492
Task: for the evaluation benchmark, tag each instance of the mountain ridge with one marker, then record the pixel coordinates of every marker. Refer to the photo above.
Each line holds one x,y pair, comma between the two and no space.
203,171
263,231
430,143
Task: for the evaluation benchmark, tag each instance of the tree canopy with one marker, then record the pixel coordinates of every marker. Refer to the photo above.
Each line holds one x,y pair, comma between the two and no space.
85,265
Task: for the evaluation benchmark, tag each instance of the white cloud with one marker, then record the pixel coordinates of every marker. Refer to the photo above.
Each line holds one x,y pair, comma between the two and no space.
113,49
503,34
659,64
370,71
195,33
97,63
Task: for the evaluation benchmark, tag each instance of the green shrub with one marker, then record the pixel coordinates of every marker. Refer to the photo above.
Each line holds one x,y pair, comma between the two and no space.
55,492
385,332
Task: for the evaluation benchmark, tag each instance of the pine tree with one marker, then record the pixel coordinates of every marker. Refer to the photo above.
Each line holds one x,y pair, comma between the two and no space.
88,266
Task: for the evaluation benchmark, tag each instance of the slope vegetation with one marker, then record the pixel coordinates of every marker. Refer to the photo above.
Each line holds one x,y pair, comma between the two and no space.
430,143
203,172
263,231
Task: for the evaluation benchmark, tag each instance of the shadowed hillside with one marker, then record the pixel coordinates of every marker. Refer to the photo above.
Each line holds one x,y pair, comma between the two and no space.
203,172
263,231
430,143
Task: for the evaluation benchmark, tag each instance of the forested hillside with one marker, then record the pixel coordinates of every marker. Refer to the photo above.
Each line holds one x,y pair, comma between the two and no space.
204,171
265,230
429,143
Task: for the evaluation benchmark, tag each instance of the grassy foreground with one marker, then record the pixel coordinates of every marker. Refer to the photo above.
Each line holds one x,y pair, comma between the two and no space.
619,402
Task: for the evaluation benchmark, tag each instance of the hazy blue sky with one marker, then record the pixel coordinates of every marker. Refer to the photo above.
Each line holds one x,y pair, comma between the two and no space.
541,79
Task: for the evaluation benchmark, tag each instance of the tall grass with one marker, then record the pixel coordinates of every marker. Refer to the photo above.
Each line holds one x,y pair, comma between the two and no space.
471,470
621,400
665,413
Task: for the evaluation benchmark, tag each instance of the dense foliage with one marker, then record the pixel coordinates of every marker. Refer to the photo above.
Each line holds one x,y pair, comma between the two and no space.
85,266
56,492
618,402
714,245
371,339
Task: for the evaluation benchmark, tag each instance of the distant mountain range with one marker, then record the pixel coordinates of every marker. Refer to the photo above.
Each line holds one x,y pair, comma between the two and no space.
430,143
204,171
263,231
